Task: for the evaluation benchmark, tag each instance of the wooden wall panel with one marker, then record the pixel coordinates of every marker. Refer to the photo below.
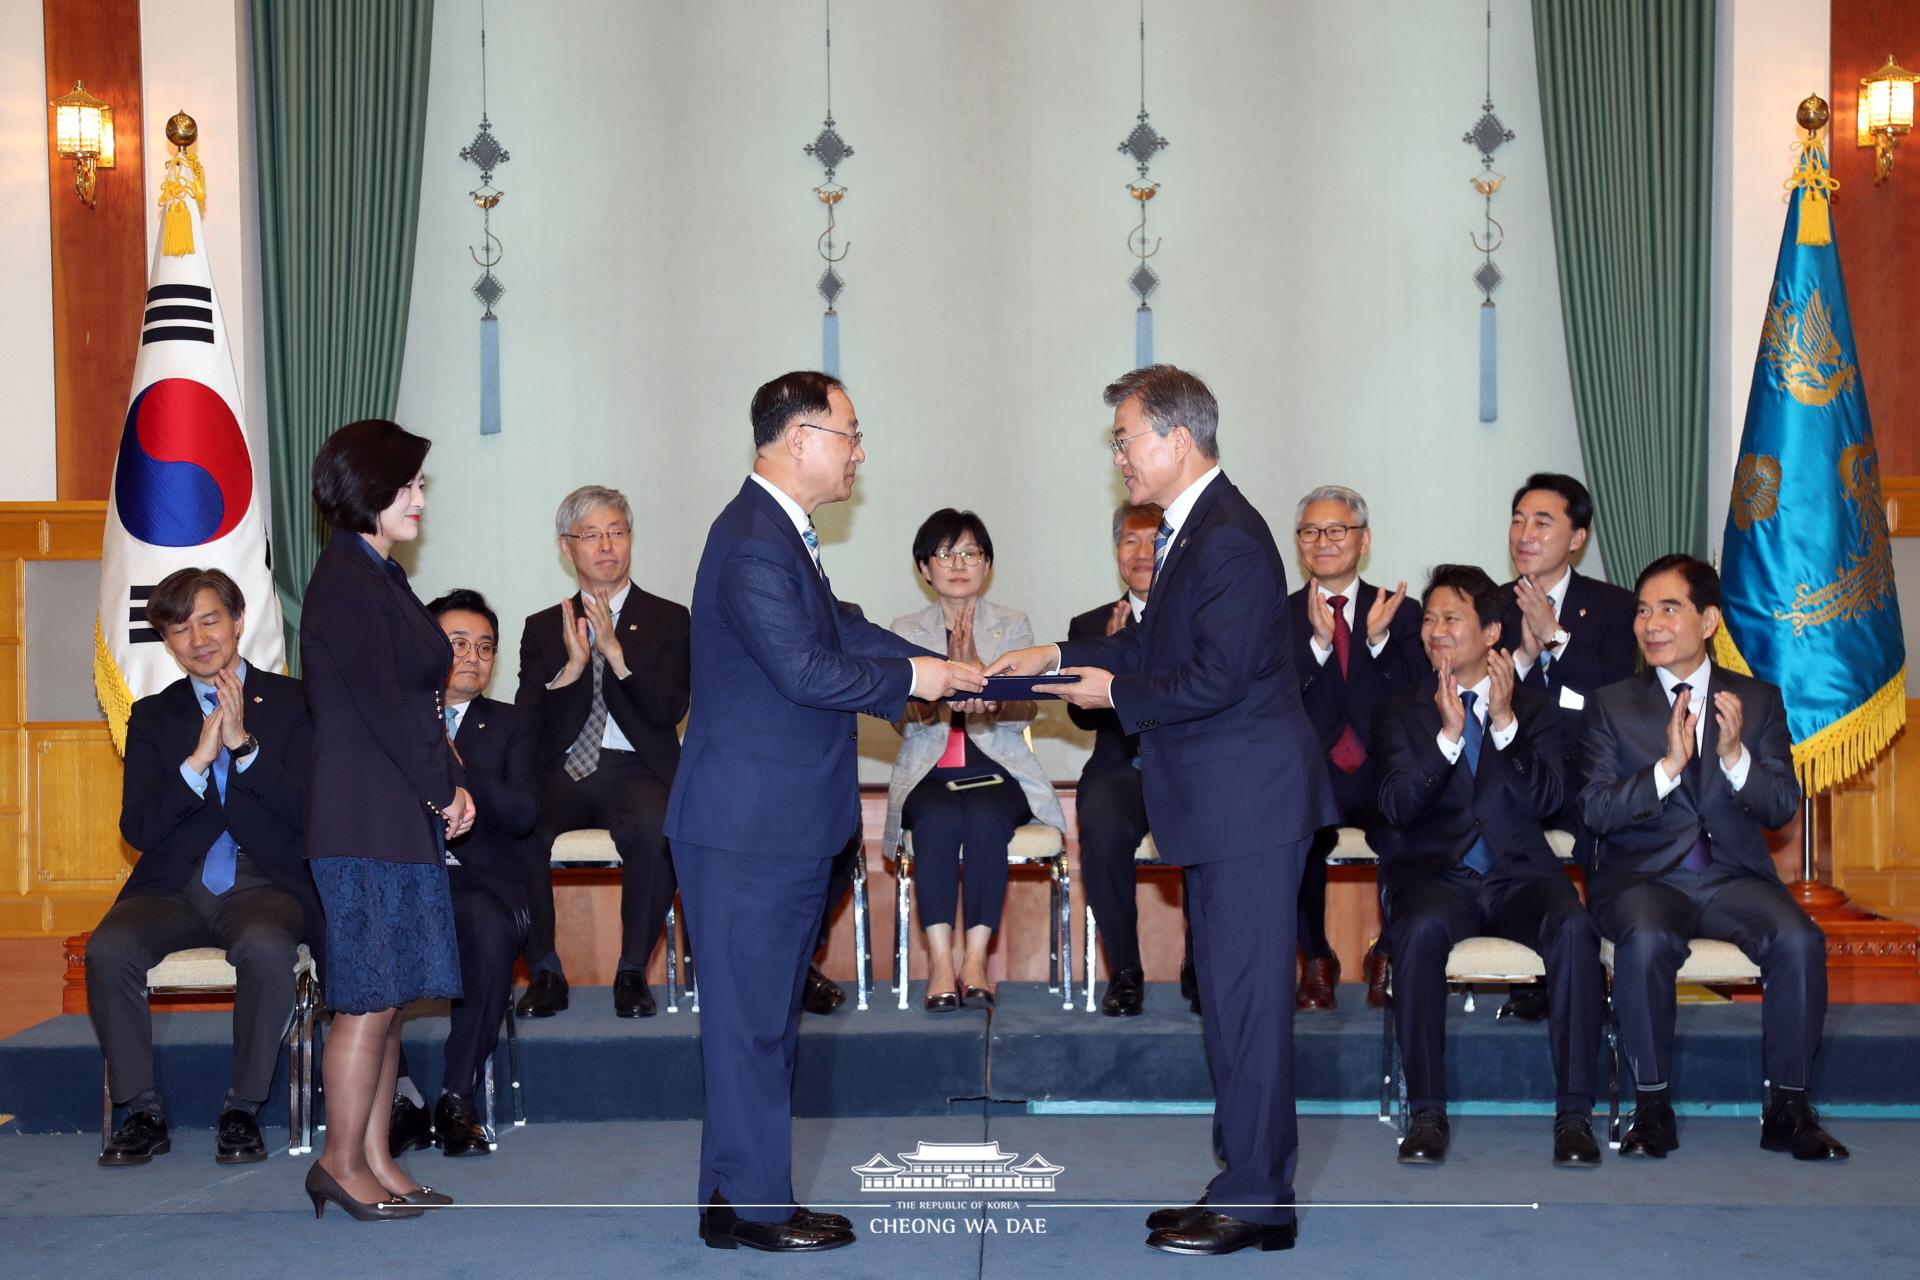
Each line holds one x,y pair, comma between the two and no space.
1878,227
99,253
73,793
1876,829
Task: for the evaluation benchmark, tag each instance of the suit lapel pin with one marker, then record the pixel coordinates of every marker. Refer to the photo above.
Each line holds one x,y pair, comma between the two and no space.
258,699
633,626
481,725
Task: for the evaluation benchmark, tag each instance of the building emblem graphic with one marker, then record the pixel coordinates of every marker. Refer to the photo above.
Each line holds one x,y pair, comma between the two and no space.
958,1166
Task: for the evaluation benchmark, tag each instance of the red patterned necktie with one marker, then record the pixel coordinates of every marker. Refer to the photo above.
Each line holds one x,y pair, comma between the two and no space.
1349,753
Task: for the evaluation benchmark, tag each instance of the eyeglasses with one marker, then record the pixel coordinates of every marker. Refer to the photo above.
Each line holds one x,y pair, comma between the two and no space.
855,436
967,556
463,646
1119,443
1310,533
616,535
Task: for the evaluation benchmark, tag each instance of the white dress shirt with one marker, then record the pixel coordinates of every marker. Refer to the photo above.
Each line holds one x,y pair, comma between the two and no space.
192,776
1500,738
1557,595
1138,604
1698,701
1350,593
801,520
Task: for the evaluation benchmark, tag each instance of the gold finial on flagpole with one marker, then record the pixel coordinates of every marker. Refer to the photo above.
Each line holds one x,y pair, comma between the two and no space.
185,180
182,131
1813,113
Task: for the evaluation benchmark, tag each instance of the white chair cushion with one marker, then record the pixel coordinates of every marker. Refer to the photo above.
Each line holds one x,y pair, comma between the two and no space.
1561,842
206,969
1352,846
1493,960
1708,961
591,846
1148,850
1035,842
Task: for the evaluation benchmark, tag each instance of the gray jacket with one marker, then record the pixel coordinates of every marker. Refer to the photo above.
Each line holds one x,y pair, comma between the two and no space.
996,630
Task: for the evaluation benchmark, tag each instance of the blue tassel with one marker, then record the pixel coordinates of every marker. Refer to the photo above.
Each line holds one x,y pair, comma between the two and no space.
1143,336
830,343
1489,365
489,375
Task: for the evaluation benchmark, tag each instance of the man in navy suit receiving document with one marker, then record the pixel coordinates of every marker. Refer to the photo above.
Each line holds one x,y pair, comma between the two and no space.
1235,779
766,793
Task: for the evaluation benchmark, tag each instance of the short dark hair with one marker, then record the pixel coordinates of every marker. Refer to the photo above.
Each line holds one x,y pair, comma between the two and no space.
1472,582
1171,397
361,467
1703,583
467,600
172,601
1579,501
944,528
776,404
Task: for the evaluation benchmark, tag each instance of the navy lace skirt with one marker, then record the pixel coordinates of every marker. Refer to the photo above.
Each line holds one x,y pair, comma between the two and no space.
390,936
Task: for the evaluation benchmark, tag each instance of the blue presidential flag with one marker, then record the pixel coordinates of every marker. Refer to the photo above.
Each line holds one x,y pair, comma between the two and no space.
184,492
1807,569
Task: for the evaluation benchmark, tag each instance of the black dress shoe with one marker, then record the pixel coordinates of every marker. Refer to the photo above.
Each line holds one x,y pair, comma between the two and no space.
1373,967
821,994
1528,1004
1208,1232
1125,991
457,1125
804,1232
1574,1146
239,1141
1317,981
1167,1219
1651,1131
546,995
945,1002
1189,986
1427,1137
142,1137
409,1128
833,1221
1791,1124
632,998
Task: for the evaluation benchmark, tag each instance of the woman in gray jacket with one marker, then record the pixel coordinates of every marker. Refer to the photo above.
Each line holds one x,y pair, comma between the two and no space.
944,788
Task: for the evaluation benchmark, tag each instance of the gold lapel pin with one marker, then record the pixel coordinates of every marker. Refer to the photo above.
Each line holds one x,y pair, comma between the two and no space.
633,626
1583,613
481,725
257,698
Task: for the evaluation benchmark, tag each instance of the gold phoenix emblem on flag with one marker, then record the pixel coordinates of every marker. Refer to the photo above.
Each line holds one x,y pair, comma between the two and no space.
1756,490
1867,583
1805,353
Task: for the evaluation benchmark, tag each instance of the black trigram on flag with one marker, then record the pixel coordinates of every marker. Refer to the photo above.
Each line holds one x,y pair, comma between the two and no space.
178,313
139,630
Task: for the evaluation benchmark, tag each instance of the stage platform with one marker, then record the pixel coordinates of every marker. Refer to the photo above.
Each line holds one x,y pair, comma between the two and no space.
1029,1055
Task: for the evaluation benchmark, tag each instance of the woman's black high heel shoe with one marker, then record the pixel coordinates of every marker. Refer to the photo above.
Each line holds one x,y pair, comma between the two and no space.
945,1002
979,997
424,1195
321,1188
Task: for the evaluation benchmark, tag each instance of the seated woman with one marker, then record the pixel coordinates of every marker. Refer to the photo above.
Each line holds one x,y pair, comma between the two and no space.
944,786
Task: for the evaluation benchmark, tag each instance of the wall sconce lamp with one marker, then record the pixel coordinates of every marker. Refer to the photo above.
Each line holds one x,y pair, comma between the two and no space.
83,131
1885,113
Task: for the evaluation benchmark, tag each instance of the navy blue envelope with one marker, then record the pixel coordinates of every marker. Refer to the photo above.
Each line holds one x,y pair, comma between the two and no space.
1015,689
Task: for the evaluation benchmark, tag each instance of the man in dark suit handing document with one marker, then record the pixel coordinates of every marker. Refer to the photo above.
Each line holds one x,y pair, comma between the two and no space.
1235,779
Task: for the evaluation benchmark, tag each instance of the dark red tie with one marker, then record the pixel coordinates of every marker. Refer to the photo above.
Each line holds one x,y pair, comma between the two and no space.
1349,753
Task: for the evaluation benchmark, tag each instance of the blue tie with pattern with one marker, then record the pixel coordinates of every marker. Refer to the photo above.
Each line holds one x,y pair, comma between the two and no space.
1480,856
453,718
222,856
812,540
1161,538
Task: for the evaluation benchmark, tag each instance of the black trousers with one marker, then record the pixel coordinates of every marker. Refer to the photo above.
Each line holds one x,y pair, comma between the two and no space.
1651,923
839,885
260,929
1111,809
982,821
1353,794
630,801
489,940
1426,916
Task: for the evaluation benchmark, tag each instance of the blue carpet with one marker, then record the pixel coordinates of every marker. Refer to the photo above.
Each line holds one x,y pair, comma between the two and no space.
1719,1207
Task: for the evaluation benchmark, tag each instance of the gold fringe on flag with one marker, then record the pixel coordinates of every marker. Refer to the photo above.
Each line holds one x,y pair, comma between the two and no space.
1816,185
185,180
1842,749
116,699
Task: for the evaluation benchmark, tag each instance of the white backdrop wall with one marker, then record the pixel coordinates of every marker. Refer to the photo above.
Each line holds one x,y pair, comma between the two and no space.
26,323
659,264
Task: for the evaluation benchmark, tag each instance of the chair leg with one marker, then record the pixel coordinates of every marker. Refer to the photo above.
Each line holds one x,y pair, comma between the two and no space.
486,1090
293,1075
1053,931
673,959
1386,1060
1613,1073
513,1067
1090,961
1063,925
862,933
106,1108
902,911
309,1012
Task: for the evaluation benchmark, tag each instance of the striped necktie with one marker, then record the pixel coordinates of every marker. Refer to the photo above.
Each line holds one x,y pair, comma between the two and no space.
1161,538
223,855
812,539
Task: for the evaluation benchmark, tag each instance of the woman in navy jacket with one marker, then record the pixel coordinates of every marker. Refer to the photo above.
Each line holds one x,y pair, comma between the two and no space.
385,794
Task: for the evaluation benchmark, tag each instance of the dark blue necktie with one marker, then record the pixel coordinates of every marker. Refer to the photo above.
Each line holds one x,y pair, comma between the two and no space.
1161,537
1699,859
218,870
1480,857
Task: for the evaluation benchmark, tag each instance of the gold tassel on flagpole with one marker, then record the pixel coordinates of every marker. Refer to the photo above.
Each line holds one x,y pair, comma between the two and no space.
1811,177
116,699
1848,745
185,180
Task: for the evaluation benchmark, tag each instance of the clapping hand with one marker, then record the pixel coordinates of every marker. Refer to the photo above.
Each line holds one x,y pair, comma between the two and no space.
1380,615
1680,726
1502,677
605,638
1731,715
1319,615
573,634
1446,696
1537,617
232,711
1118,616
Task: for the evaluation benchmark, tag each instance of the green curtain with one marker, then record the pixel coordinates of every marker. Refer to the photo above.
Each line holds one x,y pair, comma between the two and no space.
340,106
1626,101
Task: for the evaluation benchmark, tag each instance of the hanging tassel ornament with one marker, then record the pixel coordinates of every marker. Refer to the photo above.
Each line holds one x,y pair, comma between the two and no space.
1811,177
184,180
830,149
487,154
1488,135
1142,143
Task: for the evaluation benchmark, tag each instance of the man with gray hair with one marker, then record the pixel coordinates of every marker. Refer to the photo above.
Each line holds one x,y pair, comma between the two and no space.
604,675
1340,683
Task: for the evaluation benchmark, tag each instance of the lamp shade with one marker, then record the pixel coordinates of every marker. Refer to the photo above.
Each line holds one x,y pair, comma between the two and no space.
79,123
1886,100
